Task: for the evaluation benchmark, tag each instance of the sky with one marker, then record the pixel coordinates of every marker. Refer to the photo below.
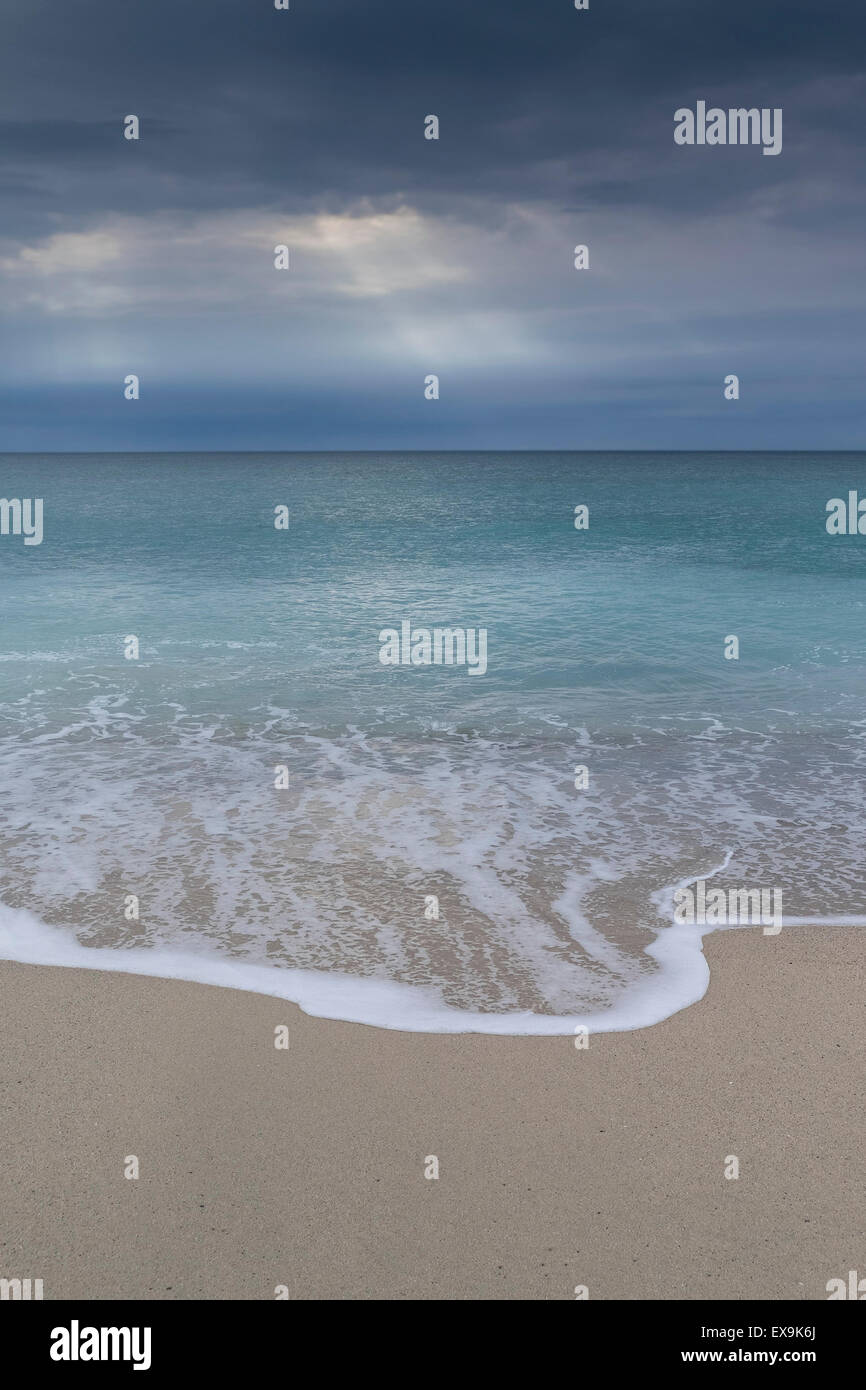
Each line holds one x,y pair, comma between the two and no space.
411,257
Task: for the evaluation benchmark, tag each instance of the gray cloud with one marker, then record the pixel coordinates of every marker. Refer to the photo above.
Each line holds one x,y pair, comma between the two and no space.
413,256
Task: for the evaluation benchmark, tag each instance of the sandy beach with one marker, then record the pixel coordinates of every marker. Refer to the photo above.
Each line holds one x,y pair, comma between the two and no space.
558,1167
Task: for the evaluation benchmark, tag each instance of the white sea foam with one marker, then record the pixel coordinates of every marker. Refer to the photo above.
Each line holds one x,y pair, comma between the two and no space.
682,980
556,905
382,1003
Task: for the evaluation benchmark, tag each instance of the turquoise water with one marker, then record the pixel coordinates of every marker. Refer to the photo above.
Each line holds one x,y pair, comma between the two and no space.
259,648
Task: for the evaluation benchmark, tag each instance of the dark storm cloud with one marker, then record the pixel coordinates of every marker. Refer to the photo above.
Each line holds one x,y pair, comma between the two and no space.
324,104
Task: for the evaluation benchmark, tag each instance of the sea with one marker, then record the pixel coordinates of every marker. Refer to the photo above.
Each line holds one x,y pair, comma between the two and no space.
208,772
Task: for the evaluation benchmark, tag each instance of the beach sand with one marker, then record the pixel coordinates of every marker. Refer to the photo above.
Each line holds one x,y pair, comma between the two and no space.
558,1167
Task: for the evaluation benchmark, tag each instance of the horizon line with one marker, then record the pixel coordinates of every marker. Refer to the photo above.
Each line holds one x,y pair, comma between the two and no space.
137,453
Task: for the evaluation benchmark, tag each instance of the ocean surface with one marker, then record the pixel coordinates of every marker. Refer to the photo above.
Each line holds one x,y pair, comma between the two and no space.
259,650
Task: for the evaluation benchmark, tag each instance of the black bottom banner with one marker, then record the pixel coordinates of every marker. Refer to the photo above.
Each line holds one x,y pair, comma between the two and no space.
154,1338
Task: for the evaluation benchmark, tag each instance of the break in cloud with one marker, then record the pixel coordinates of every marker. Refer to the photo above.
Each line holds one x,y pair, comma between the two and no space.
410,256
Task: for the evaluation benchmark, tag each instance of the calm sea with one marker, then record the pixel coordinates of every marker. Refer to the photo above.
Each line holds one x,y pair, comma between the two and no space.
157,778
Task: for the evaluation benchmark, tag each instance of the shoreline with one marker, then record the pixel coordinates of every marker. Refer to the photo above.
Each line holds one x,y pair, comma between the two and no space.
373,1002
304,1167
